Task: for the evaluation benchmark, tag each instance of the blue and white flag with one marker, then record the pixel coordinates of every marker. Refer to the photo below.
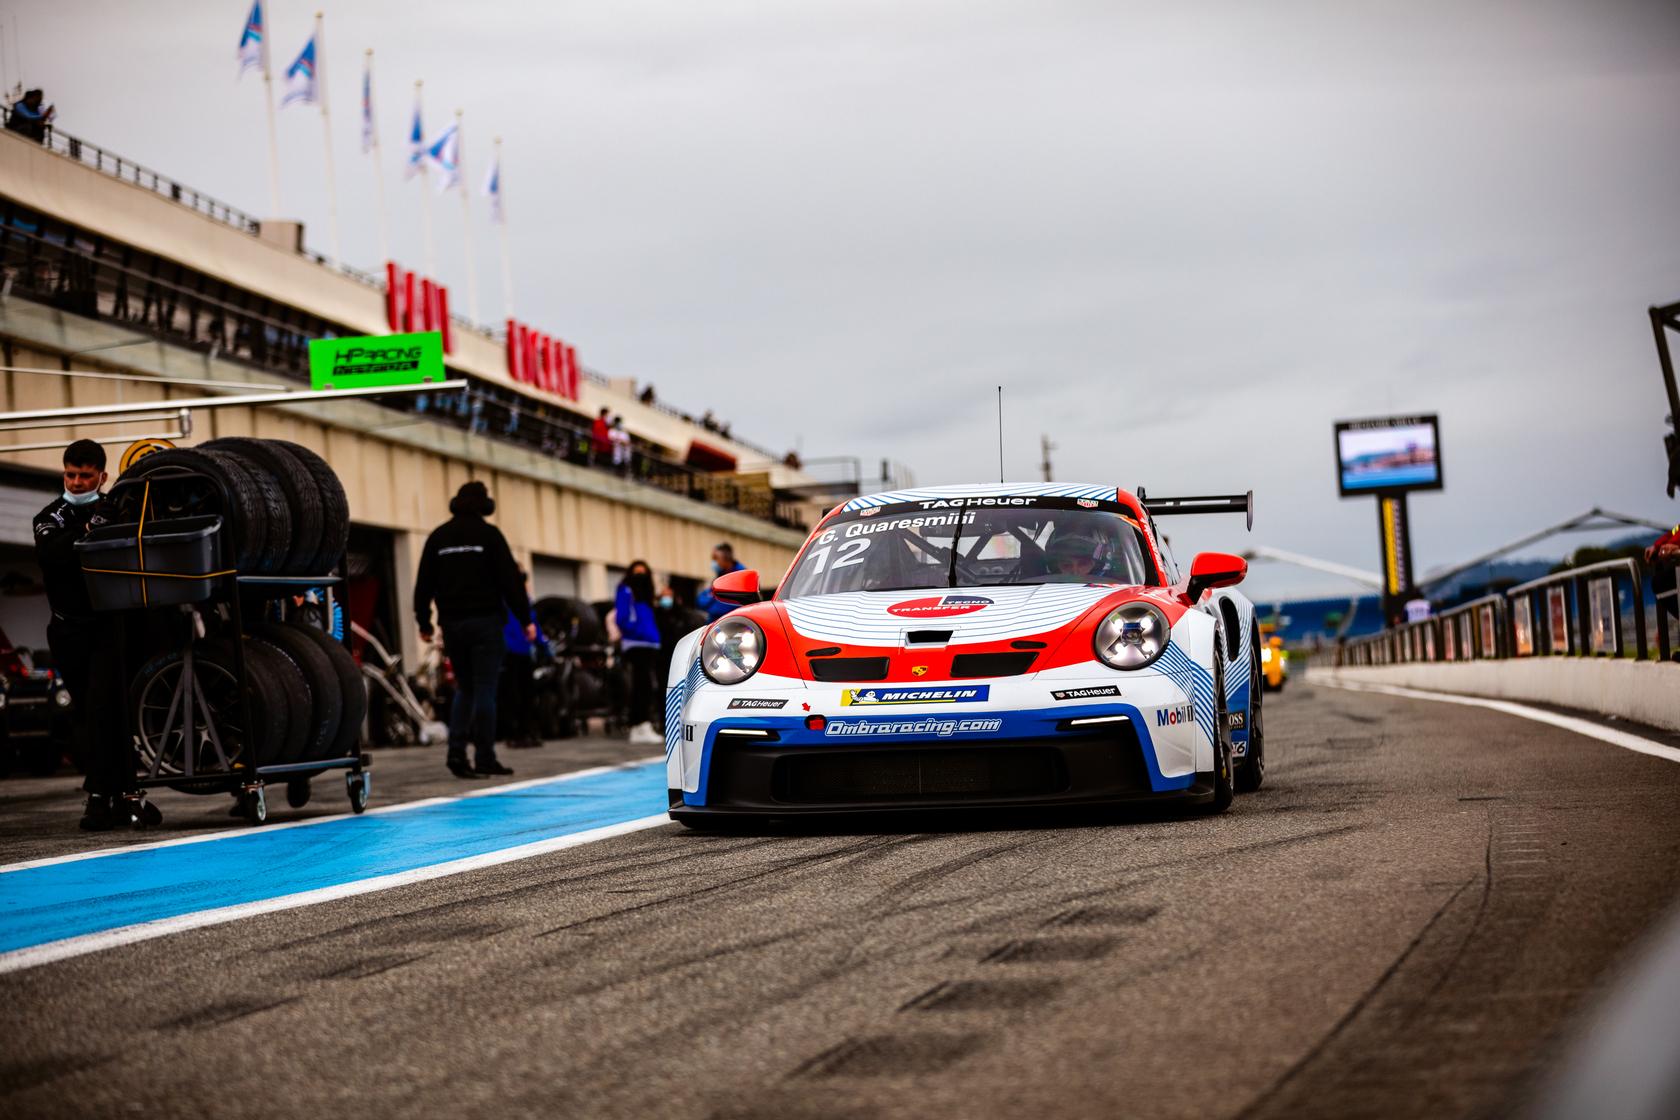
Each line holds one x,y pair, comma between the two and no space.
493,190
301,84
251,51
445,155
370,136
416,144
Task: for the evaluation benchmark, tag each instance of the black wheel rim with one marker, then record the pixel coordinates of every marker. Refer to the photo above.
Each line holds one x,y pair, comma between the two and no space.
167,753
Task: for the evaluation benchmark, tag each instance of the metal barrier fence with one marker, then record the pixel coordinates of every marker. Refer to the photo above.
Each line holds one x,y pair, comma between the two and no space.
1574,613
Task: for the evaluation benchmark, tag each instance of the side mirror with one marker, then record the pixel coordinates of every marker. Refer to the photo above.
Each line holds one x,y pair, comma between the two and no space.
736,588
1214,569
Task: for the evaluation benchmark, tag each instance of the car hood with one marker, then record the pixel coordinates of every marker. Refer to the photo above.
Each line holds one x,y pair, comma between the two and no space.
973,615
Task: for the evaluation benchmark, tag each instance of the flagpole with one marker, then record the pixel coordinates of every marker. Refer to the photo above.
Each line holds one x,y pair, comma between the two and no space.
326,135
379,175
273,142
501,227
426,207
466,218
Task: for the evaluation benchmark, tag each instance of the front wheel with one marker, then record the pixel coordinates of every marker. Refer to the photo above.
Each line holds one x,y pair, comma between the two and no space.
1224,790
1251,770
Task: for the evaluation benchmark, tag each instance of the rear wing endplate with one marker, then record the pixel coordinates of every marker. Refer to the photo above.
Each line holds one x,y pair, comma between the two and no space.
1211,503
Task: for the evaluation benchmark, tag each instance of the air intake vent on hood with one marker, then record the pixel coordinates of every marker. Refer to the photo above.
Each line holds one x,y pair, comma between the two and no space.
991,664
849,668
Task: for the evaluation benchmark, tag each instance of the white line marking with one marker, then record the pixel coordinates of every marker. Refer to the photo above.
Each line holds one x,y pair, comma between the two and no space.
248,830
19,959
1569,723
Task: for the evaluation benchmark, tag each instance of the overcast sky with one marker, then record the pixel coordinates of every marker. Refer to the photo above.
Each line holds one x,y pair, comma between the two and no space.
1185,238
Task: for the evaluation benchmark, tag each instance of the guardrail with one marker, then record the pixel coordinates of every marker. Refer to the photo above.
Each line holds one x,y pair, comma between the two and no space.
1574,613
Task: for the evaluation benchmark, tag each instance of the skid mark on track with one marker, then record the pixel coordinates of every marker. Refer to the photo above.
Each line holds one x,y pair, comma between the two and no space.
370,966
1047,950
891,1055
17,1077
1103,916
221,1014
984,995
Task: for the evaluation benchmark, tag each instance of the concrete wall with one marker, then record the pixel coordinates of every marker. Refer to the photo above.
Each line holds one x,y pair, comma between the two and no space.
139,216
1643,691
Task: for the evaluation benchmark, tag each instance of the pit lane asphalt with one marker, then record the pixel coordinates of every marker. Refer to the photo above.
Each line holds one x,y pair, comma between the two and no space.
1400,924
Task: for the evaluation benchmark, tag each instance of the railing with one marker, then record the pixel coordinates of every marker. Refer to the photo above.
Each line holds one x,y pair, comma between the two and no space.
1574,613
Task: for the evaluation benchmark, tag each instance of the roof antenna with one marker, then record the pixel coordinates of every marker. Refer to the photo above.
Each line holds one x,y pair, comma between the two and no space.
1000,434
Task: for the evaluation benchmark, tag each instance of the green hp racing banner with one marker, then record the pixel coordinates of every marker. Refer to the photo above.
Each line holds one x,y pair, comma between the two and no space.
391,359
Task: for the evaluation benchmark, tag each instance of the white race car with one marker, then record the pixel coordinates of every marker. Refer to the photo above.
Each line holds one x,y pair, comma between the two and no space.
973,646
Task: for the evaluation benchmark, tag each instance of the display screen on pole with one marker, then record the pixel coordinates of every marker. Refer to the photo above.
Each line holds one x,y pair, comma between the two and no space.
1390,455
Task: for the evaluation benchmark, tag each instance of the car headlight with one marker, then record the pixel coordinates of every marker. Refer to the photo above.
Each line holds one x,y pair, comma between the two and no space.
62,698
1265,655
1132,636
732,650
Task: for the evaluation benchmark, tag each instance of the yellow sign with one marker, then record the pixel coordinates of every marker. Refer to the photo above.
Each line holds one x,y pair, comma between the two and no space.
141,448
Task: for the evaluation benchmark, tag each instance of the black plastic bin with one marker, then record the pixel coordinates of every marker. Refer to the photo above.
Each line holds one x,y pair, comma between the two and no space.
172,561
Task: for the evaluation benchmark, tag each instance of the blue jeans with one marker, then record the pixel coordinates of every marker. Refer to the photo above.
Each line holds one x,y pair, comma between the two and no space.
475,649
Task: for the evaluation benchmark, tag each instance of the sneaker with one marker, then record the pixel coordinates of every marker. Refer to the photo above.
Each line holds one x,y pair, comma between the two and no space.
462,769
492,767
644,733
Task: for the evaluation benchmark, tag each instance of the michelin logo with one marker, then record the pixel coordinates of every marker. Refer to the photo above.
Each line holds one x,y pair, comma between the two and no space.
930,725
865,696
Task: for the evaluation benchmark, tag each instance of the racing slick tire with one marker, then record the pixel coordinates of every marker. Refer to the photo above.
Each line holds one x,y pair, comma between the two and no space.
1222,781
323,707
347,682
257,521
335,507
297,484
1251,769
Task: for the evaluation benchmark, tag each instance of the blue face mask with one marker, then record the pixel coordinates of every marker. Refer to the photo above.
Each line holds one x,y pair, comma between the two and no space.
81,499
667,602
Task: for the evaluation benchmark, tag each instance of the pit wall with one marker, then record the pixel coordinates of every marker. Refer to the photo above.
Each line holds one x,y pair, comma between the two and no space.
1645,692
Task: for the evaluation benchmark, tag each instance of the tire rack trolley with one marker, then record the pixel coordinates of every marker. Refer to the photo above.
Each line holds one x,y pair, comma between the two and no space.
187,574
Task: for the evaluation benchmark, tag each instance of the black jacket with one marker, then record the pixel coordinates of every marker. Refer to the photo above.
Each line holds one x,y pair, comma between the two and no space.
468,568
57,529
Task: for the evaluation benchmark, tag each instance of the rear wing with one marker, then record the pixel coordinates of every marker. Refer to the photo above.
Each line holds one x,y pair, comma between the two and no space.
1211,503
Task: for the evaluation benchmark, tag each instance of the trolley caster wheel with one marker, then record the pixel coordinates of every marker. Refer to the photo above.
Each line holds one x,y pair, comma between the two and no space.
359,786
254,804
142,813
297,792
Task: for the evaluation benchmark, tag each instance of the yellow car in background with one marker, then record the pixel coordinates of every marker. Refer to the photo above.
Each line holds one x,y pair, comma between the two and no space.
1274,661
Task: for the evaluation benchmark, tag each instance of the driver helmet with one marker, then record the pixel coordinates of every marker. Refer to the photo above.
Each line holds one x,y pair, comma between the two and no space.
1075,554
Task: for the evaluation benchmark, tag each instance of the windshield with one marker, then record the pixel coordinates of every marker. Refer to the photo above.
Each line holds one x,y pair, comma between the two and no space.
925,545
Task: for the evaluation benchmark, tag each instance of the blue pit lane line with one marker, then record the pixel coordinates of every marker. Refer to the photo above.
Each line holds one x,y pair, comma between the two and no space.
52,909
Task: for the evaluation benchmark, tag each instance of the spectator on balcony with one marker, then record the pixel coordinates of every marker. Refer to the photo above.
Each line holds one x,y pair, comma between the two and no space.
723,562
708,421
647,395
600,440
30,118
620,446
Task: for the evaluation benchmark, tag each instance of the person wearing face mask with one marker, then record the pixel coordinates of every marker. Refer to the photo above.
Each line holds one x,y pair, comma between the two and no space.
639,639
723,562
72,634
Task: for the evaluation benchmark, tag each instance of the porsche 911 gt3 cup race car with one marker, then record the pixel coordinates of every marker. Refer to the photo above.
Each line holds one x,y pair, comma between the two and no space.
973,646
